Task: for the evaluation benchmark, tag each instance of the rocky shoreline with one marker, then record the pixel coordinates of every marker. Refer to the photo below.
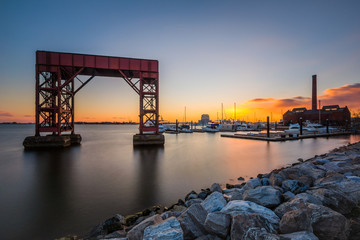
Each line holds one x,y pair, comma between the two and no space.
313,199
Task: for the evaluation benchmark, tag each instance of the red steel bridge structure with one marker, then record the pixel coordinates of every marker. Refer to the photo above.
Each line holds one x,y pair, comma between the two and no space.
56,73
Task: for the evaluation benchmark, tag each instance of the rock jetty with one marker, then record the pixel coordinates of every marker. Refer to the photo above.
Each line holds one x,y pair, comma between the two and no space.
312,199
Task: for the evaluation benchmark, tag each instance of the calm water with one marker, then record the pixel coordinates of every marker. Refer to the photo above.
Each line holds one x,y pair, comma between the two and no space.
48,194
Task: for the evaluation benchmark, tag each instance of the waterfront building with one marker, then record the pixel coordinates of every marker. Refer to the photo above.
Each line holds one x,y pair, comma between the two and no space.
204,119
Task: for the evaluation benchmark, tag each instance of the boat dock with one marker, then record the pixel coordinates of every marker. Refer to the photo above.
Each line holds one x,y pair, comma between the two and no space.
280,138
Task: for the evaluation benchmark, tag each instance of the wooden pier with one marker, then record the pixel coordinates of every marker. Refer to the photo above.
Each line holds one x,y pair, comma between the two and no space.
280,138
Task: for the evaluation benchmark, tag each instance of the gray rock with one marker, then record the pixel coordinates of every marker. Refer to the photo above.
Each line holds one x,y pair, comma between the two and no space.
251,226
320,161
193,201
245,207
216,188
340,166
218,223
252,183
266,196
296,220
290,185
169,214
234,194
309,169
291,173
167,230
350,187
328,224
214,202
192,196
265,181
285,207
120,234
275,179
308,198
354,178
354,228
303,235
288,196
137,232
192,221
335,200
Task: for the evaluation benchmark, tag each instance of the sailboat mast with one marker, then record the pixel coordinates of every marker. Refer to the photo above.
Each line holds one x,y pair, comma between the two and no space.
234,111
222,112
185,114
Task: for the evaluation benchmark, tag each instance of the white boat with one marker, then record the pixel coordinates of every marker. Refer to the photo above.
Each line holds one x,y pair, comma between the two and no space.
170,127
248,127
185,128
318,128
225,127
151,124
211,127
293,129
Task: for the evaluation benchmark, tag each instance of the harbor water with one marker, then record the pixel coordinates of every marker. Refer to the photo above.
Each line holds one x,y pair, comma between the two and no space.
52,193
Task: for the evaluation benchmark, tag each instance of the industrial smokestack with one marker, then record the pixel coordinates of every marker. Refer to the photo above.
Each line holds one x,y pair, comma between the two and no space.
314,93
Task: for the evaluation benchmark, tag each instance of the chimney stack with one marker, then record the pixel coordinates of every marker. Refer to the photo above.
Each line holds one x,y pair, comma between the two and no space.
314,93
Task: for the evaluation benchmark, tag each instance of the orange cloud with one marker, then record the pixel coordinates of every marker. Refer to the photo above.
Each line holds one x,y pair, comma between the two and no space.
5,114
347,95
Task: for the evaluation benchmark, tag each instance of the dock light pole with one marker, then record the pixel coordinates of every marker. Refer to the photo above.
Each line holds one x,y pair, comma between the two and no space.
176,125
301,130
327,125
268,127
346,125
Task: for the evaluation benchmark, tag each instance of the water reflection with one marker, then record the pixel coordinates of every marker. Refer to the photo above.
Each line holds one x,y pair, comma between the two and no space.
147,185
47,184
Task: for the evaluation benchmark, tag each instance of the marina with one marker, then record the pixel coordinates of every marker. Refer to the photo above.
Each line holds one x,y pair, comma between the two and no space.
275,137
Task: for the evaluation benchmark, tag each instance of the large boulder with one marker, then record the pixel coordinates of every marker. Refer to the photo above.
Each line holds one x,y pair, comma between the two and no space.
285,207
251,226
296,220
309,169
218,223
303,235
266,196
234,194
252,183
245,207
167,230
192,221
308,198
349,187
214,202
291,173
137,232
335,200
328,224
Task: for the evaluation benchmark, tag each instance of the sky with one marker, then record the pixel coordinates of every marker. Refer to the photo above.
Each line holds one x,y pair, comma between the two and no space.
258,54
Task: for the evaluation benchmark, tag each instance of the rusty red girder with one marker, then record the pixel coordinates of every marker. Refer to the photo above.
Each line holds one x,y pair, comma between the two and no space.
55,88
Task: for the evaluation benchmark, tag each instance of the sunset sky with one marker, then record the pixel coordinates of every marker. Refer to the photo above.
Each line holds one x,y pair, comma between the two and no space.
258,54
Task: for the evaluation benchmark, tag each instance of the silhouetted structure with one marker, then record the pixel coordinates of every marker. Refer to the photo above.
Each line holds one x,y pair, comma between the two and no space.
335,114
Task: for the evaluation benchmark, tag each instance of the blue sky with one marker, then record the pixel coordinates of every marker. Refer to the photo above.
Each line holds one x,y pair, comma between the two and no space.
210,52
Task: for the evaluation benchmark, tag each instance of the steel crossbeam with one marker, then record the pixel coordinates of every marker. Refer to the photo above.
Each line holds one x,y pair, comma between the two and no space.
55,87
